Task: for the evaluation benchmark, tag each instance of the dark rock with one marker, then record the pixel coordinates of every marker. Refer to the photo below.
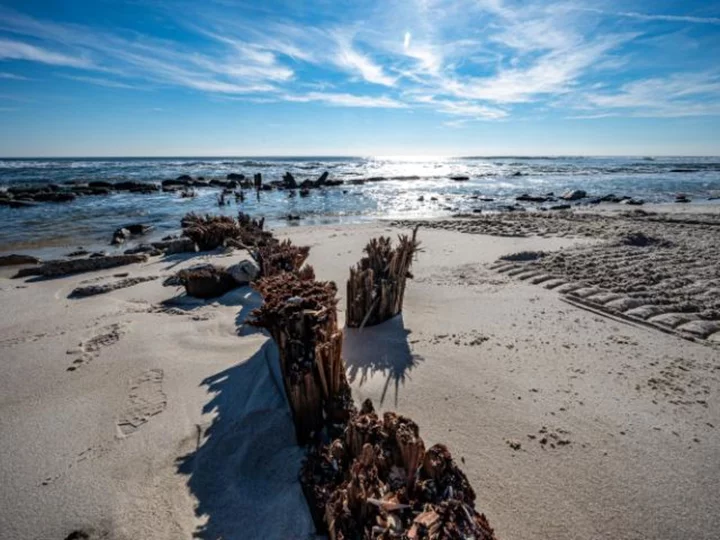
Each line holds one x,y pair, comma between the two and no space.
136,187
333,183
293,217
560,207
172,188
523,256
323,179
119,237
529,198
477,210
54,197
611,198
421,198
91,290
15,259
684,170
304,192
217,182
15,203
356,182
175,183
184,178
289,180
517,173
574,195
138,228
633,202
78,253
682,198
460,178
100,184
236,176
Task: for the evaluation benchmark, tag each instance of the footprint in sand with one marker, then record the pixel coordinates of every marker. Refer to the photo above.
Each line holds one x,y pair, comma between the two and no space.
90,349
145,399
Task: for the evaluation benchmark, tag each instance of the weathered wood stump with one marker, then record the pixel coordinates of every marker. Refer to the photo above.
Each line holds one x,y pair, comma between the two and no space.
376,288
300,314
277,257
378,481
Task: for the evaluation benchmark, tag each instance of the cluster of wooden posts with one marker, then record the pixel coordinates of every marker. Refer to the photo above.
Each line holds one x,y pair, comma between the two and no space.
365,476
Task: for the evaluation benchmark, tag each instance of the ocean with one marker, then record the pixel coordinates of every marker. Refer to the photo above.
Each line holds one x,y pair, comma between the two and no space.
412,188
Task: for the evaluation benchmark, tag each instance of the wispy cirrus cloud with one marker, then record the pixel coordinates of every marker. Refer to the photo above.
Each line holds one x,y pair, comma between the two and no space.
99,81
12,76
470,60
347,100
18,50
655,17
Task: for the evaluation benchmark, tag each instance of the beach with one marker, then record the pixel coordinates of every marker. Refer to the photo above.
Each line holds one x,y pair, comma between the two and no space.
143,413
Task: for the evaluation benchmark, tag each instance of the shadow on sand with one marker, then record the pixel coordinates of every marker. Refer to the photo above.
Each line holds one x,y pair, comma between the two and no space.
380,349
244,472
244,297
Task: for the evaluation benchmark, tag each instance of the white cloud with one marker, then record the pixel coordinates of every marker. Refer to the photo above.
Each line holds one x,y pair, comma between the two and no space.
656,17
347,100
351,60
406,41
98,81
12,76
18,50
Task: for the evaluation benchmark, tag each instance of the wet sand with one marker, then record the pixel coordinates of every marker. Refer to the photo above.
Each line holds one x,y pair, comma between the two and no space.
140,413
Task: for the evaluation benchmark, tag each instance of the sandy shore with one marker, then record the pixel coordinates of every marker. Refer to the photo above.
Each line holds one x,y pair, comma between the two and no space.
142,414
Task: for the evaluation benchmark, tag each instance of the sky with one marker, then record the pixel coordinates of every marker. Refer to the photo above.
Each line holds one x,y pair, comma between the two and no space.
359,77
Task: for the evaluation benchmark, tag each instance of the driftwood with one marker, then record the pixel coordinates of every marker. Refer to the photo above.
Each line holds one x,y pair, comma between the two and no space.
76,266
300,314
378,481
376,287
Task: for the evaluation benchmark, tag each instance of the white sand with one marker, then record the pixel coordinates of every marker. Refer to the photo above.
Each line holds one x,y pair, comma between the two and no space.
174,423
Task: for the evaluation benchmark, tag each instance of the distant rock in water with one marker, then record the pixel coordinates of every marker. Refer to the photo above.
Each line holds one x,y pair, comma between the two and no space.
460,178
574,195
529,198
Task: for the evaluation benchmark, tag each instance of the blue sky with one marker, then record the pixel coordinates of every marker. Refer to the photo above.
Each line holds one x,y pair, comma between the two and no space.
340,77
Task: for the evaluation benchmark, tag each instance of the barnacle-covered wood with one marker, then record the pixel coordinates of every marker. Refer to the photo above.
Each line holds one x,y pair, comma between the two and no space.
300,314
210,232
277,257
376,287
206,281
378,481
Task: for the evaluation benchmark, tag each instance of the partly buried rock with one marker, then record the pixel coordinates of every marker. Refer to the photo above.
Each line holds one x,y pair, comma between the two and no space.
14,260
176,245
574,195
149,249
206,281
124,233
76,266
244,272
92,290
